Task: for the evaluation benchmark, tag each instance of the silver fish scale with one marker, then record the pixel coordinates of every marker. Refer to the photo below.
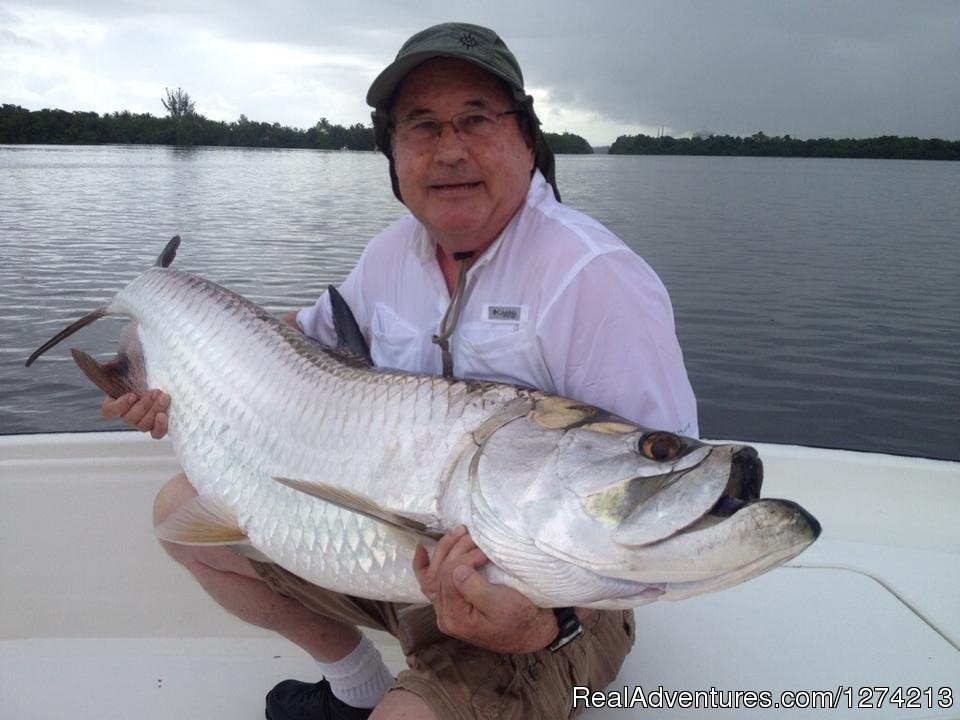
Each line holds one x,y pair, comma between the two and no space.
387,435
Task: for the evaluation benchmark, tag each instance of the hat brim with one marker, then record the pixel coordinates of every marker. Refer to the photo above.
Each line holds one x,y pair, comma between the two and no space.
385,85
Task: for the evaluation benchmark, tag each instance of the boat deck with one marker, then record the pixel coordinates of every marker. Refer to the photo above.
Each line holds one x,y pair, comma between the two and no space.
97,622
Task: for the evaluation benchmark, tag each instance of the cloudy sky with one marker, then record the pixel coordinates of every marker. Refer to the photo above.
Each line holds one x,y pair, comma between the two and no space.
815,68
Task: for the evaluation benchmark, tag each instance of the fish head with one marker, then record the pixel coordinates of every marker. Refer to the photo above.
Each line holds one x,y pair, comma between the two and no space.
640,486
647,506
649,485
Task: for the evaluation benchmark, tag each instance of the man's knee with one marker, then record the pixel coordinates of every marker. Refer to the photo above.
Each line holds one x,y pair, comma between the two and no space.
172,495
403,704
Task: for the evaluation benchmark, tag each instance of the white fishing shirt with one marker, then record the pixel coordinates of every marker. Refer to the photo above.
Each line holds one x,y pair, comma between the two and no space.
557,302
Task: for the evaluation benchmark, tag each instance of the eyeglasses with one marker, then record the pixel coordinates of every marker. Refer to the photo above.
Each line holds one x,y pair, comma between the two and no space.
468,125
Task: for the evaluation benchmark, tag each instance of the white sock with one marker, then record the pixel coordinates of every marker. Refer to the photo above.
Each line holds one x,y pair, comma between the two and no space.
360,679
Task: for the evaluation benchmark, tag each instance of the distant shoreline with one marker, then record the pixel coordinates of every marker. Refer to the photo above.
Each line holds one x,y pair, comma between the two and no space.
886,147
19,126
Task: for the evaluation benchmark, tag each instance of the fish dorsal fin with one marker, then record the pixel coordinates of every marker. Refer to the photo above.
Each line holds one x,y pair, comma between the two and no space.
349,338
416,523
199,523
165,258
113,377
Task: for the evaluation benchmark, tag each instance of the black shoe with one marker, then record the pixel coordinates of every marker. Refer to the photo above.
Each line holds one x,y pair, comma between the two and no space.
295,700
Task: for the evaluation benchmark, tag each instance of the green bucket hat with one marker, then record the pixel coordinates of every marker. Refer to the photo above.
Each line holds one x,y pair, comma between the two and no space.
473,43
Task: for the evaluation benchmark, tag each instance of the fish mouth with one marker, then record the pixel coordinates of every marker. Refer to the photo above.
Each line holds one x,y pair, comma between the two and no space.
743,484
812,523
743,488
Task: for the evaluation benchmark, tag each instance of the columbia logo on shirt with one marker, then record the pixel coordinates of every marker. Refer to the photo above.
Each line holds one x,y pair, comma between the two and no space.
503,313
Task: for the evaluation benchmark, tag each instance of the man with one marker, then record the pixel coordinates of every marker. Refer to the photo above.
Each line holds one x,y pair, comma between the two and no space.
488,277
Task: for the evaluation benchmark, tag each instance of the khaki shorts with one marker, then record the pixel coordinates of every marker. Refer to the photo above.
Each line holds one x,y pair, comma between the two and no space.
463,682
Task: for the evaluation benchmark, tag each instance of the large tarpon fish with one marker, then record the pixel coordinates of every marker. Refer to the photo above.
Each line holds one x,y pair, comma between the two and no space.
334,469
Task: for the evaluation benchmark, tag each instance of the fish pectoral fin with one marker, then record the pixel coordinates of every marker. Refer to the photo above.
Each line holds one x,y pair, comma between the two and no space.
418,523
113,377
198,523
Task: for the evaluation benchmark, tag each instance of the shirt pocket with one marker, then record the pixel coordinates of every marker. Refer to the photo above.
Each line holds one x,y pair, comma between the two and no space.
395,343
504,352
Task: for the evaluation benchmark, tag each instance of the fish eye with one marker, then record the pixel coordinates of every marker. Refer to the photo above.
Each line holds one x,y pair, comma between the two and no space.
660,446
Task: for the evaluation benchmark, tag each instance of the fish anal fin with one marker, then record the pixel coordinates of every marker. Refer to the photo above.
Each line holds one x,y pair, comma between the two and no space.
114,377
198,523
417,523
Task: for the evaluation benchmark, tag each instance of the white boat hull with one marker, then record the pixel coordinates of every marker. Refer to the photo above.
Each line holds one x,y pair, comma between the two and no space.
96,621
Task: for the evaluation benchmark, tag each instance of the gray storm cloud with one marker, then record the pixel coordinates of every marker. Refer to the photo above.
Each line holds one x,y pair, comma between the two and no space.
840,68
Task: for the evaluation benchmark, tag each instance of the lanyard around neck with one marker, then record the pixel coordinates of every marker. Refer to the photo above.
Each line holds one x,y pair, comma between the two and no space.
450,318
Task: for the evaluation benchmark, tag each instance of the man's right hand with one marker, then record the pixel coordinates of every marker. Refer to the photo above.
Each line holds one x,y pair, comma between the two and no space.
147,412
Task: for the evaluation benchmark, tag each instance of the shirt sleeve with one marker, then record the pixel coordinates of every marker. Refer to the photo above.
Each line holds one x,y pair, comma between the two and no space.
608,339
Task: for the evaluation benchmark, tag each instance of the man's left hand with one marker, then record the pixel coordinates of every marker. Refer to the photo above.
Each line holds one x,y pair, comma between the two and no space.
471,609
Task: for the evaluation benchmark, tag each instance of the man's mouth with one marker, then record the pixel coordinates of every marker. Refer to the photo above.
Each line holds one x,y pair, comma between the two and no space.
455,186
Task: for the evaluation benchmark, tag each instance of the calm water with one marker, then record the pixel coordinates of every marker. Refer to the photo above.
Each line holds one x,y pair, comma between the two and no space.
817,301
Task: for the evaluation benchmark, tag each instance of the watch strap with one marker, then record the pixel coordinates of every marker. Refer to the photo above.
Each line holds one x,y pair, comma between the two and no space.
569,627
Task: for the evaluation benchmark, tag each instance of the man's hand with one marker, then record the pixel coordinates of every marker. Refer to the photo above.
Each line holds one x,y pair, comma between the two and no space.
147,412
468,607
290,319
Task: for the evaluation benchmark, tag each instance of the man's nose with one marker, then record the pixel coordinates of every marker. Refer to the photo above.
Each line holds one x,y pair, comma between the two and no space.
450,146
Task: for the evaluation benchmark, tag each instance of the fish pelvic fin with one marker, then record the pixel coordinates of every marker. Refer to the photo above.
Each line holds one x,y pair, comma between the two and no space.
200,523
420,524
114,377
349,338
165,258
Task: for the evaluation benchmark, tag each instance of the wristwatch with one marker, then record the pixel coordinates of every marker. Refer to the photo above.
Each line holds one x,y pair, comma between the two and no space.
570,627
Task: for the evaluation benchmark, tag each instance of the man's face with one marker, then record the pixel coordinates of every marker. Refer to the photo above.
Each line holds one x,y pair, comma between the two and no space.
464,190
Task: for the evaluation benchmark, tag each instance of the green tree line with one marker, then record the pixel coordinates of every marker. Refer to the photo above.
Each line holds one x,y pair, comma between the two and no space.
884,147
567,143
60,127
183,126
